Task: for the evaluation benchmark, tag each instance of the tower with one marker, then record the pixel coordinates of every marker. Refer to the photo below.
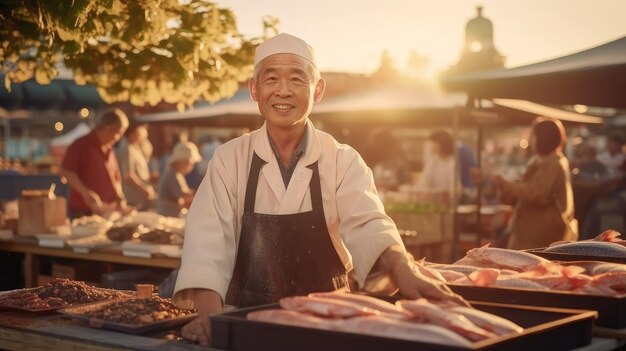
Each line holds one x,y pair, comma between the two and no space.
479,52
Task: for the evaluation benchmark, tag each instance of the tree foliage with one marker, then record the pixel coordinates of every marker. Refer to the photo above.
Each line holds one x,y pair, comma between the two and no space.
142,51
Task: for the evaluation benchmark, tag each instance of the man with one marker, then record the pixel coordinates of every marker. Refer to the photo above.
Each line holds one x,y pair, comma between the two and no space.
286,210
136,185
91,168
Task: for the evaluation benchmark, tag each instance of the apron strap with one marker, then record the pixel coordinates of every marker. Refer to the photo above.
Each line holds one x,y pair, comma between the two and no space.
315,188
253,181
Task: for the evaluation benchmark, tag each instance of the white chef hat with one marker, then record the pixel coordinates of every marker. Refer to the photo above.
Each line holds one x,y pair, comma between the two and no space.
284,43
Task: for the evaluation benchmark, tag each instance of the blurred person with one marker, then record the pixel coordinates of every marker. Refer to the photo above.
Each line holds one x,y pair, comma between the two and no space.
614,156
467,162
543,200
92,170
174,193
136,183
437,181
287,210
587,184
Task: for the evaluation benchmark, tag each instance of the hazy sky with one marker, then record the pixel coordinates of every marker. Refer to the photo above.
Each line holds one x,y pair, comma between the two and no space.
350,35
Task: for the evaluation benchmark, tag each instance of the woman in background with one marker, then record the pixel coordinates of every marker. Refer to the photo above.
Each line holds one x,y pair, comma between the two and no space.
174,193
543,199
436,183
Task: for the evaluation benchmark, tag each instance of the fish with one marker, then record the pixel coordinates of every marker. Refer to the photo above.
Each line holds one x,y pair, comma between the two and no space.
590,248
596,267
504,258
397,329
613,280
610,235
373,303
293,318
325,307
424,310
450,275
487,321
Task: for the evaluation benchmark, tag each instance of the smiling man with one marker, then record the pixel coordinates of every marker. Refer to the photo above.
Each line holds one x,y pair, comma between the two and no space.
287,210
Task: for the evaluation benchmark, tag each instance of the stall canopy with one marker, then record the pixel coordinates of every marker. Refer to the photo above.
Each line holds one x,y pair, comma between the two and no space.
406,105
63,94
594,77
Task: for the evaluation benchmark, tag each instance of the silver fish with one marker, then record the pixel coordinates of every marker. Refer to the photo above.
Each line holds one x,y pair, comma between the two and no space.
590,248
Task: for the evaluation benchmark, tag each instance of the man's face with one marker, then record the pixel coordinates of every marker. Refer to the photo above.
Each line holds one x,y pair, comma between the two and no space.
112,134
285,90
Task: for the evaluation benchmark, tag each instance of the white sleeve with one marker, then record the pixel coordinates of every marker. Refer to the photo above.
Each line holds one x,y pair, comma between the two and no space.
365,228
209,248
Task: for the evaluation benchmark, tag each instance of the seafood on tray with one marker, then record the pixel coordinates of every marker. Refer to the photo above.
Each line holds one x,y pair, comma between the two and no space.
607,244
497,267
414,320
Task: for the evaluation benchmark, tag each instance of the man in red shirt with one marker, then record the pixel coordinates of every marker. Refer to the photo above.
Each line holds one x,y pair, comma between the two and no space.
92,170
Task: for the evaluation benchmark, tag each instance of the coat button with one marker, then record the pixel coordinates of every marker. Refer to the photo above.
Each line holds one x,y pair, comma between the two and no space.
301,176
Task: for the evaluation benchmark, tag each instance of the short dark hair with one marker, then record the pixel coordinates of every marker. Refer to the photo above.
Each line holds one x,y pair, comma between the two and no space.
113,116
133,125
444,140
549,135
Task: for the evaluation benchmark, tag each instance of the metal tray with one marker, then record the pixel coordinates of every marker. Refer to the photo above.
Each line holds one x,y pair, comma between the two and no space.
611,309
545,329
78,312
557,256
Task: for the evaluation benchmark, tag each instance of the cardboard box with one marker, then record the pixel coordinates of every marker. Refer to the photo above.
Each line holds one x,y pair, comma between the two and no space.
63,271
39,215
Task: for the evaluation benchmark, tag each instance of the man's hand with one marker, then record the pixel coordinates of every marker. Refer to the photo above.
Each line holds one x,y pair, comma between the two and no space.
199,330
93,201
411,283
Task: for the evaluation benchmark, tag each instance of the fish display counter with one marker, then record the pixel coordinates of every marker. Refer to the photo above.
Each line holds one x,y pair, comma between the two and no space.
526,278
358,322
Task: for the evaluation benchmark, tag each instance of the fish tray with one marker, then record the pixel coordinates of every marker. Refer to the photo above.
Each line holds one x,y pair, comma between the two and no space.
611,309
544,329
558,256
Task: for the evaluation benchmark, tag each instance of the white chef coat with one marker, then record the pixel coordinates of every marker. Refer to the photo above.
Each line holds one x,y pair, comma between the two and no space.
359,228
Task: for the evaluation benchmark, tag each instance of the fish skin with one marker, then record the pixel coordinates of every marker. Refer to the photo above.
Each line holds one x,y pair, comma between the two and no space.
597,267
488,321
392,328
384,307
505,258
292,318
517,283
446,318
590,248
613,280
325,307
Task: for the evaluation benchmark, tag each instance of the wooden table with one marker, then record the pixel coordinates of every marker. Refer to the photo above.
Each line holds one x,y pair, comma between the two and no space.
26,331
32,254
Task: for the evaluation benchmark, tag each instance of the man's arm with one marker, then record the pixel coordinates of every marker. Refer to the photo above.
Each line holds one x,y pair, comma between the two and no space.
146,189
207,302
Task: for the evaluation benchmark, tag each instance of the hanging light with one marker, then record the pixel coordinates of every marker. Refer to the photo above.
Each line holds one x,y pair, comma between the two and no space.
523,144
58,126
84,112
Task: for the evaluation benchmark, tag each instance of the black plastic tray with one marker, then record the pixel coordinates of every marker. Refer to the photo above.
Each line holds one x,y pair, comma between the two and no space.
611,309
78,312
558,256
545,329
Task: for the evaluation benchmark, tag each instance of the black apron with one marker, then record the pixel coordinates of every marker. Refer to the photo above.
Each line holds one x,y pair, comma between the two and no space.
283,255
